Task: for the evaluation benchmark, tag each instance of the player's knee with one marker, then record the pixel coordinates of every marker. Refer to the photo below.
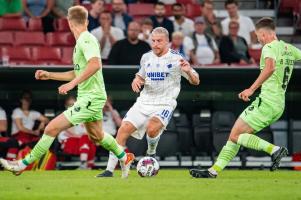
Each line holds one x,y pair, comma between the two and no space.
233,138
152,131
51,130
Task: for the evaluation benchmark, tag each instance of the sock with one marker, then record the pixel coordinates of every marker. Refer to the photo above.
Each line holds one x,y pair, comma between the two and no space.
254,142
110,144
112,162
39,149
227,153
152,144
83,157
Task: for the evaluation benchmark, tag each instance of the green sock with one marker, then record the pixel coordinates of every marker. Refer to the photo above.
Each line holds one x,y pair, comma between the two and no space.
253,142
228,152
39,149
110,144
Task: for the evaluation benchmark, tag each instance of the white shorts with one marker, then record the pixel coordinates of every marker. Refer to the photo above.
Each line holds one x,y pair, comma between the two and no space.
139,114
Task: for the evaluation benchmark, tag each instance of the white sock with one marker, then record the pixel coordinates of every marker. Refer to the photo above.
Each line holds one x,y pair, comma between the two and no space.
21,164
113,161
212,171
275,148
152,144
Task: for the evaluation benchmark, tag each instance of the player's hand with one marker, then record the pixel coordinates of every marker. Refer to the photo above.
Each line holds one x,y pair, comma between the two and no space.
42,75
137,84
64,89
185,66
244,95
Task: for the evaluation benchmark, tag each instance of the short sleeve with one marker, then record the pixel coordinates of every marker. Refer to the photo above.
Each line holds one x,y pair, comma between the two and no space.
119,34
141,71
250,24
188,43
35,115
2,114
90,48
296,53
17,113
268,52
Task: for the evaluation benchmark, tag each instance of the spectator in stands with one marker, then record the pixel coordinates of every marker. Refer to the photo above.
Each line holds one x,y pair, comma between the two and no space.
213,26
75,141
40,9
107,34
180,22
60,8
159,18
120,18
129,51
111,118
206,50
27,124
167,2
11,8
97,6
146,29
246,28
234,48
184,45
8,146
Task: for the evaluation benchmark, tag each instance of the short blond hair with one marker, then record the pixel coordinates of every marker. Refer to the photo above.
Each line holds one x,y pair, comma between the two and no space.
78,14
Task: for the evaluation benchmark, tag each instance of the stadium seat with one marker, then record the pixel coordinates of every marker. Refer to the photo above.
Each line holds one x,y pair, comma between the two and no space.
138,147
6,38
193,10
287,6
108,7
256,54
62,25
87,6
184,131
17,55
60,39
35,24
201,124
221,125
29,39
186,1
168,144
49,55
141,9
13,24
295,127
67,53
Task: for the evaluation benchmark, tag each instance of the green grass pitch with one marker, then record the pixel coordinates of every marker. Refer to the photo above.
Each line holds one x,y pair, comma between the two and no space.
169,184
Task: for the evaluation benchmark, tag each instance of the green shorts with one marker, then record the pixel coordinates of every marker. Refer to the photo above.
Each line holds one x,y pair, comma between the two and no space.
261,114
85,109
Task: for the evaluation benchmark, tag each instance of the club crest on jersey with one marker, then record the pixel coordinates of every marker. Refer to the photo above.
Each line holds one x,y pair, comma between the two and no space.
158,65
169,66
76,67
148,65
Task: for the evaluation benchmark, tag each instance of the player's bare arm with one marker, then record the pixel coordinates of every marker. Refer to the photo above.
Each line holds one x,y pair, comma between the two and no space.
92,67
193,76
267,71
58,76
137,83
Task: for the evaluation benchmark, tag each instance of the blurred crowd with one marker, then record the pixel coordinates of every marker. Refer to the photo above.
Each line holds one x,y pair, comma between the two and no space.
203,40
27,125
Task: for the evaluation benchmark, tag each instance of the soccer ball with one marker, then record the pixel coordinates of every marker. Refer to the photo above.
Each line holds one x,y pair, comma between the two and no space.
148,167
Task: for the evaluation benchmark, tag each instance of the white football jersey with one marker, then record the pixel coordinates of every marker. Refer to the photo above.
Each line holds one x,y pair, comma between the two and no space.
162,77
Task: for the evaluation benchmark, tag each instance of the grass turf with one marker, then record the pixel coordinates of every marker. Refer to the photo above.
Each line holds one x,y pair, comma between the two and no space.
169,184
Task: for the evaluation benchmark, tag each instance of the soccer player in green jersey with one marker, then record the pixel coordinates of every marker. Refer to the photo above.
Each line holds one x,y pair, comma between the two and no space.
87,75
276,65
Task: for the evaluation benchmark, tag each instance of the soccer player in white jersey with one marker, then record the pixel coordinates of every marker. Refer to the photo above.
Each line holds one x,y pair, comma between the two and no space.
160,74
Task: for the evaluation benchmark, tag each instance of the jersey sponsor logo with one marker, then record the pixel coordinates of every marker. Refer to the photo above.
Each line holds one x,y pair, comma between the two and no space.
157,76
77,109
